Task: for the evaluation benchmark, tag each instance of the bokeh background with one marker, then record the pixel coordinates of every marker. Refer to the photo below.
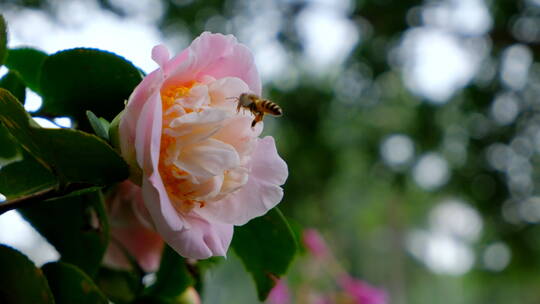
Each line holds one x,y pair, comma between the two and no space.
411,129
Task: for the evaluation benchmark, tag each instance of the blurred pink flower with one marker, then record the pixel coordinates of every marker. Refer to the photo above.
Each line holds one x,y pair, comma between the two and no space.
315,243
361,292
280,293
130,231
202,167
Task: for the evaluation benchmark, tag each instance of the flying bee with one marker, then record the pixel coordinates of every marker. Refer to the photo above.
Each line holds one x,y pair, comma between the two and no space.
257,106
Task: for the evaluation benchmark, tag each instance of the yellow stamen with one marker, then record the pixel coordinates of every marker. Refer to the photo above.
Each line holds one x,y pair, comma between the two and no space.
172,176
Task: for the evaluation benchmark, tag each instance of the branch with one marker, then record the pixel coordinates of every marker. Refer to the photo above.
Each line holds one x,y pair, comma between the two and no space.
45,194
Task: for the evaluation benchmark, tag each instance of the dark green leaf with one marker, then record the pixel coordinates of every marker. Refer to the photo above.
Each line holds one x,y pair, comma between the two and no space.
203,266
266,245
70,285
13,82
3,40
153,299
209,263
15,180
99,125
119,286
73,156
20,281
28,63
76,226
77,80
172,277
9,148
189,296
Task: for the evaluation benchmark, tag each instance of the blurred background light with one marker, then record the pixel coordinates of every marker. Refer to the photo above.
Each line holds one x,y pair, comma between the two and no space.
328,36
496,256
441,253
431,171
397,150
456,218
427,52
16,232
516,62
32,101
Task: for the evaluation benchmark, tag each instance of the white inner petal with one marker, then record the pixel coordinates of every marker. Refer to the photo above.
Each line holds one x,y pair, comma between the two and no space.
197,126
206,159
234,179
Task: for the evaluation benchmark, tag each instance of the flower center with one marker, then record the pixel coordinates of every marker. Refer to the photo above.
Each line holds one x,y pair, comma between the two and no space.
174,178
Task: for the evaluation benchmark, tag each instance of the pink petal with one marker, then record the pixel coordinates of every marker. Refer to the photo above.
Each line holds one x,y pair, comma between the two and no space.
218,56
202,239
279,294
128,234
223,90
362,292
164,216
128,125
143,244
160,55
238,133
261,193
190,235
315,243
147,146
147,135
267,166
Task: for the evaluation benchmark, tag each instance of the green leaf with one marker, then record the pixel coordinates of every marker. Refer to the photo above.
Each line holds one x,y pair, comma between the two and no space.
202,267
76,226
27,62
266,245
153,299
3,40
70,285
13,82
77,80
99,125
73,156
15,180
9,148
172,277
20,281
119,286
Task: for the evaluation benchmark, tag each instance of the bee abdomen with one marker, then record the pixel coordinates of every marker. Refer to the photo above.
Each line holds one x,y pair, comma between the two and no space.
271,108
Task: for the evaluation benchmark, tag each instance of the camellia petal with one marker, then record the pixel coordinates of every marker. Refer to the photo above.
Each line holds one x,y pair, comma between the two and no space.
160,55
217,56
130,233
202,239
207,158
261,192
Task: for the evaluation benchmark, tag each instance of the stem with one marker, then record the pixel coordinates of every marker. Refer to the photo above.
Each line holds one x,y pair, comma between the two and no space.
27,200
45,194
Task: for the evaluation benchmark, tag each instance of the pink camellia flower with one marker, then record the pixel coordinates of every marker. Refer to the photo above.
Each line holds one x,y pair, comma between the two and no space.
130,231
361,292
202,167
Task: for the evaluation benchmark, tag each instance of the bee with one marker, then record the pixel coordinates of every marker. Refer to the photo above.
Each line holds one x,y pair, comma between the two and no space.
257,106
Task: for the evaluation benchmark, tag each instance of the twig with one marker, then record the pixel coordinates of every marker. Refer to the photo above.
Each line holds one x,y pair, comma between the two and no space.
45,194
